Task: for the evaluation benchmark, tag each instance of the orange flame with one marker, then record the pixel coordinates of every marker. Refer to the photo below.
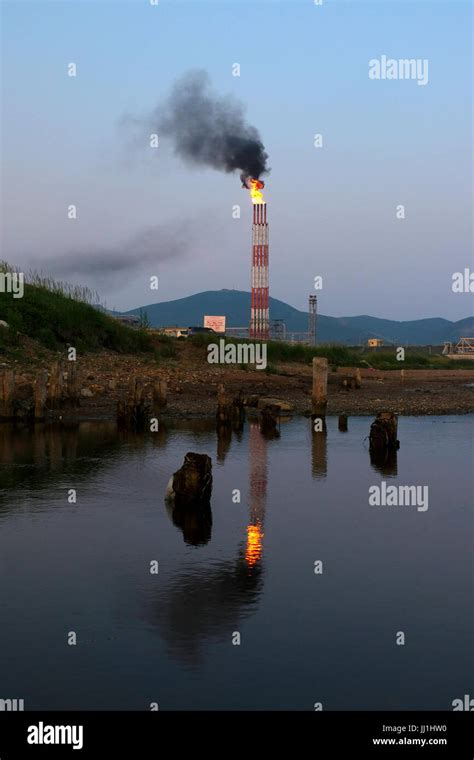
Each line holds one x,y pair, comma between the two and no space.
253,552
255,191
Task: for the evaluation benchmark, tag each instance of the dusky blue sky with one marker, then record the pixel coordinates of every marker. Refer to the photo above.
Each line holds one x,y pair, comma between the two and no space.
304,70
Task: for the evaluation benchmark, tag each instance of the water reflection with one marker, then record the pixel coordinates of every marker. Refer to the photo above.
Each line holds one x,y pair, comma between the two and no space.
319,459
209,602
258,493
384,461
169,636
55,450
224,438
195,524
205,603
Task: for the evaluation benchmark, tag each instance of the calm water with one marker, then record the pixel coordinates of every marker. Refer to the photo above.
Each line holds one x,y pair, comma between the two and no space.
167,637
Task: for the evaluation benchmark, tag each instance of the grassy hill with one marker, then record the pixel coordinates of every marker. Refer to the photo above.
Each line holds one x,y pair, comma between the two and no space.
235,305
56,315
52,315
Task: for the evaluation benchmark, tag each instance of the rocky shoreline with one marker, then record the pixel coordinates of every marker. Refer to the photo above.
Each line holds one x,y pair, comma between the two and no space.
192,396
102,381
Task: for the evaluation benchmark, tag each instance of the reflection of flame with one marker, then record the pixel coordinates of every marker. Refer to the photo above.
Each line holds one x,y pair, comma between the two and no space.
255,191
253,553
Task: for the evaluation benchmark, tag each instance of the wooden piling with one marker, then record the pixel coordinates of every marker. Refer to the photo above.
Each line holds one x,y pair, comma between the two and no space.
230,411
357,378
383,432
73,384
342,423
132,411
139,391
159,395
41,394
7,394
56,382
320,386
224,407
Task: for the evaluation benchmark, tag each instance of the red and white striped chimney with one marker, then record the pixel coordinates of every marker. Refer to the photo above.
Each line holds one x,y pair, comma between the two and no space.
259,312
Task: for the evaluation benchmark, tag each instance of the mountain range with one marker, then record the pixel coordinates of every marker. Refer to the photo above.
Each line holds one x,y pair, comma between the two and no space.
235,305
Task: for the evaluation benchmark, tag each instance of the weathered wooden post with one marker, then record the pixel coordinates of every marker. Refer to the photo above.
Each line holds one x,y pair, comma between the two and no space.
56,385
72,384
402,376
384,443
320,386
159,395
188,498
7,394
41,394
131,411
383,432
139,390
191,485
137,410
318,417
131,390
357,378
342,423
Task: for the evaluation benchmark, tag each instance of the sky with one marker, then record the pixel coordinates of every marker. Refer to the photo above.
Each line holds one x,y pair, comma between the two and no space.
334,211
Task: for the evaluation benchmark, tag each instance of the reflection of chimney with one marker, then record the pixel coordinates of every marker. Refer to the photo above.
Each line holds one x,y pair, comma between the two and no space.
259,310
258,494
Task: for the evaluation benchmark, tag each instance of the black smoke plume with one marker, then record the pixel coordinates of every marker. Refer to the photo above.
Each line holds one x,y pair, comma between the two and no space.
108,262
210,130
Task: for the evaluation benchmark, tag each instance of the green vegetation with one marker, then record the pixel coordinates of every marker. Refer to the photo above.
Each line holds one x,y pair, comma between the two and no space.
165,347
144,320
279,351
57,314
343,356
270,369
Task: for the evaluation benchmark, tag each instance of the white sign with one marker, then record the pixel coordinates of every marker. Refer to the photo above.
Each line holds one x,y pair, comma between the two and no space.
215,323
